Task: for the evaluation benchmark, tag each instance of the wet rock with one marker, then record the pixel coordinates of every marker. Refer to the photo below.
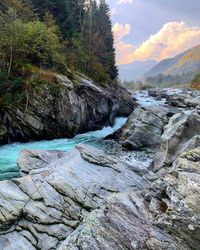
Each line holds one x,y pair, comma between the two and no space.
181,98
193,102
3,132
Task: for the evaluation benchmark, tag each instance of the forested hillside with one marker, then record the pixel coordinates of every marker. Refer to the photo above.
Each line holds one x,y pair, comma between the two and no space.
56,35
180,69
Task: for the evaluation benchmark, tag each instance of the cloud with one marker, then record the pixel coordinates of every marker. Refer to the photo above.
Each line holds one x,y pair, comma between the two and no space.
113,11
121,30
124,1
122,49
172,39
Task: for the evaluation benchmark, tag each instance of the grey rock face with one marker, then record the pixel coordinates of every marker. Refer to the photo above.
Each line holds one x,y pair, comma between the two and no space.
178,194
61,110
45,207
30,160
87,200
63,80
122,223
143,127
180,134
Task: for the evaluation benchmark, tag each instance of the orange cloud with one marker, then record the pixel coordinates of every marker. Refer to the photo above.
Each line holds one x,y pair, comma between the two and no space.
120,31
122,49
172,39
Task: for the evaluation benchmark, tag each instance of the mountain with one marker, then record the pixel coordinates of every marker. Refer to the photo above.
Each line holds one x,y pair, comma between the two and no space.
185,63
135,70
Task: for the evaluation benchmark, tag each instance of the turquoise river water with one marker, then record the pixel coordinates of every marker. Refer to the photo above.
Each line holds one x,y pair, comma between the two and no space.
9,153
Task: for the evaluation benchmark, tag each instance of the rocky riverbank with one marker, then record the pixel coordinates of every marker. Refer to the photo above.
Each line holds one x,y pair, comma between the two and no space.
89,199
63,109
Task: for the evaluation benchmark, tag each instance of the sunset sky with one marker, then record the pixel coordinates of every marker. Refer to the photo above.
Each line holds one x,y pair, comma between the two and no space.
154,29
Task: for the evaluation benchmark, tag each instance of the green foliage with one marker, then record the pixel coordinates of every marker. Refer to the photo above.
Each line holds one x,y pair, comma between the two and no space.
87,28
196,78
10,90
40,37
31,42
169,80
195,83
136,85
9,83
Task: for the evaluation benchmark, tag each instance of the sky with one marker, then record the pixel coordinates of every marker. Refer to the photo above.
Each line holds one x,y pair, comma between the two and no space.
154,29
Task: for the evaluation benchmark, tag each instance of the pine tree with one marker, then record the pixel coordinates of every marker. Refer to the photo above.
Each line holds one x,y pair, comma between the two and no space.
106,54
84,27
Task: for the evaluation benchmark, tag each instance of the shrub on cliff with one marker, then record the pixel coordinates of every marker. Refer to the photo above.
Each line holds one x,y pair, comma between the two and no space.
196,81
29,42
31,31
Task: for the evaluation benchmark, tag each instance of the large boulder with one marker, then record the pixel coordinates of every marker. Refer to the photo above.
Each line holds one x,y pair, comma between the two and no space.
143,128
180,134
63,109
39,210
178,196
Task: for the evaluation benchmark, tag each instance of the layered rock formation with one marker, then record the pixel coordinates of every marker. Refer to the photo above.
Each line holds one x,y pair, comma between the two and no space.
180,134
42,209
88,200
61,109
178,196
143,128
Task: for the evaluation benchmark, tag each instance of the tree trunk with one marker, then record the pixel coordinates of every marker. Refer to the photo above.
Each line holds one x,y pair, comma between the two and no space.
11,53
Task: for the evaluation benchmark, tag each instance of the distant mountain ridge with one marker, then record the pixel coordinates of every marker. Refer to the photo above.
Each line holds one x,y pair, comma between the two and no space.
186,62
134,71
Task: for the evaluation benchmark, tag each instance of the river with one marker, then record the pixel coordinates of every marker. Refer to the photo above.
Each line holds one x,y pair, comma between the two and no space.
9,153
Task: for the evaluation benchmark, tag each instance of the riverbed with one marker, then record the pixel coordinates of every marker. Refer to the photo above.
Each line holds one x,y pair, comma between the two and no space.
9,153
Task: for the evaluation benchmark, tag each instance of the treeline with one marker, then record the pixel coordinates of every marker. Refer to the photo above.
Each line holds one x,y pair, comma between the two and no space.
195,83
57,35
136,85
169,80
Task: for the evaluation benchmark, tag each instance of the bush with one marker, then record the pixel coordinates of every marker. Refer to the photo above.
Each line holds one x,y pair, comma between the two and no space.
11,90
32,42
196,82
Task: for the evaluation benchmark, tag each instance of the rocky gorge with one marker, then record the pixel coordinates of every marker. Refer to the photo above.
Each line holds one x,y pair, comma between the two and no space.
90,198
63,108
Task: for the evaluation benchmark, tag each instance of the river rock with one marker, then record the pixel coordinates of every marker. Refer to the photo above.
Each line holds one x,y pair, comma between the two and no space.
88,200
30,160
143,127
193,102
180,134
181,98
178,196
122,223
39,210
60,109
